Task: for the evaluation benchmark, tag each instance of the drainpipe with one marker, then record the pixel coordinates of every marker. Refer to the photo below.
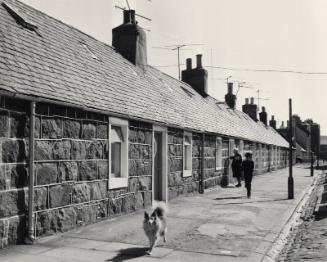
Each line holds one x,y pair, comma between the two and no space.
30,237
201,186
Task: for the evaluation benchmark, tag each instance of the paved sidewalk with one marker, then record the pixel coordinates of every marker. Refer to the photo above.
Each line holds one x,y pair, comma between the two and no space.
221,225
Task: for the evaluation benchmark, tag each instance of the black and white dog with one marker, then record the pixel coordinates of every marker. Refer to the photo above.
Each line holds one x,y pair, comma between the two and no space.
155,224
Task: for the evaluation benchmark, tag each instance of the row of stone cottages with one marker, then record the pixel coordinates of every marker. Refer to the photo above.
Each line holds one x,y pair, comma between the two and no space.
111,133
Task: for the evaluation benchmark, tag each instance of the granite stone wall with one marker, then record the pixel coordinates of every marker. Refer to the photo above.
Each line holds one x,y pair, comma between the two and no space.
196,156
211,177
177,184
14,133
140,163
71,170
265,159
256,158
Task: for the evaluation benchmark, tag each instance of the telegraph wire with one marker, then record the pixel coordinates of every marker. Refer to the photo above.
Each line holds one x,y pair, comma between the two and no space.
255,70
267,70
165,65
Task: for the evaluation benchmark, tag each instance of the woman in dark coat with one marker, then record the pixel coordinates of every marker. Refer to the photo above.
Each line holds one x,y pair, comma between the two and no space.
247,168
237,166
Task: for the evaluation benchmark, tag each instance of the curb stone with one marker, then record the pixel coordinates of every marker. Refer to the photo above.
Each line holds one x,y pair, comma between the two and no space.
293,221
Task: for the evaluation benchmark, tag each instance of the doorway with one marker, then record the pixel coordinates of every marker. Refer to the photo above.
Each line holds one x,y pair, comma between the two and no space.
159,181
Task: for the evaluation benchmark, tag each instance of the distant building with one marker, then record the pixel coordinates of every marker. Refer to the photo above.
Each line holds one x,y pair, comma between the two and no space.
306,138
323,147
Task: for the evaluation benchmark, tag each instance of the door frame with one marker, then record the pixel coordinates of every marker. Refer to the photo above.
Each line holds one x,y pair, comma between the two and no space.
164,154
231,147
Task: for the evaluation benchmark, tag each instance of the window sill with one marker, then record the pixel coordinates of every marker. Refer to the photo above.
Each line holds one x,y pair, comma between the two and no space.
118,182
187,173
219,168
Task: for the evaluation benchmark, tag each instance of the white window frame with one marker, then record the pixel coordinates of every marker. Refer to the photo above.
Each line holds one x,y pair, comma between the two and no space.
188,172
122,181
219,155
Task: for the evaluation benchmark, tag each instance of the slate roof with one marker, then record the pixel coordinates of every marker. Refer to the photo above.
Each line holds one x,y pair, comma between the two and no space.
63,64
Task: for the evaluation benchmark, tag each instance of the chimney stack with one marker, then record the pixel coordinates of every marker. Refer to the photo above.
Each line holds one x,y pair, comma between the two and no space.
130,40
188,63
196,77
250,109
129,17
263,116
272,122
230,98
199,61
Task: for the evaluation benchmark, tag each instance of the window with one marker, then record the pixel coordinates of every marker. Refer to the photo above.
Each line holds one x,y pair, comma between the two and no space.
219,154
118,153
187,155
116,144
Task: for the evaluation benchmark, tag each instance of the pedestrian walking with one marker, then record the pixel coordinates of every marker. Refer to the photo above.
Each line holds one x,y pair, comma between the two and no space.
247,168
237,166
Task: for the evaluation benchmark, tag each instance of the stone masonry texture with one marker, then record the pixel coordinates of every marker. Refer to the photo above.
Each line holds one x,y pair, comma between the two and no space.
14,132
71,169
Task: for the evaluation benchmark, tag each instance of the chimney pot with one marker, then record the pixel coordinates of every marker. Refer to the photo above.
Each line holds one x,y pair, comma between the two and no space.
199,61
246,101
230,88
263,116
230,98
272,122
188,63
252,100
129,16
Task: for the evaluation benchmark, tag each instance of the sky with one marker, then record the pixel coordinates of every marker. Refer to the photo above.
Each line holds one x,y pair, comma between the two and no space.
241,34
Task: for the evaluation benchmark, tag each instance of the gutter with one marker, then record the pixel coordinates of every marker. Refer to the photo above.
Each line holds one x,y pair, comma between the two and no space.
30,233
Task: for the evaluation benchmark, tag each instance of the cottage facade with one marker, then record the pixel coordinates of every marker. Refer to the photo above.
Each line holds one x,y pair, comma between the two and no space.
101,132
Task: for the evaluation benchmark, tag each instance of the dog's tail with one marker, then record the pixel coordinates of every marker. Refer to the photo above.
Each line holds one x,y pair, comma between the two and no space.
160,208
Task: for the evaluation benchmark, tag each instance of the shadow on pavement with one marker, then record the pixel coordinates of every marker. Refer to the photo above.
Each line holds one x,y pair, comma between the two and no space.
226,198
129,253
251,201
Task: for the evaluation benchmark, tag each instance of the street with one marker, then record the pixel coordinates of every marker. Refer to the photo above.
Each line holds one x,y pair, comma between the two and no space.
221,225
